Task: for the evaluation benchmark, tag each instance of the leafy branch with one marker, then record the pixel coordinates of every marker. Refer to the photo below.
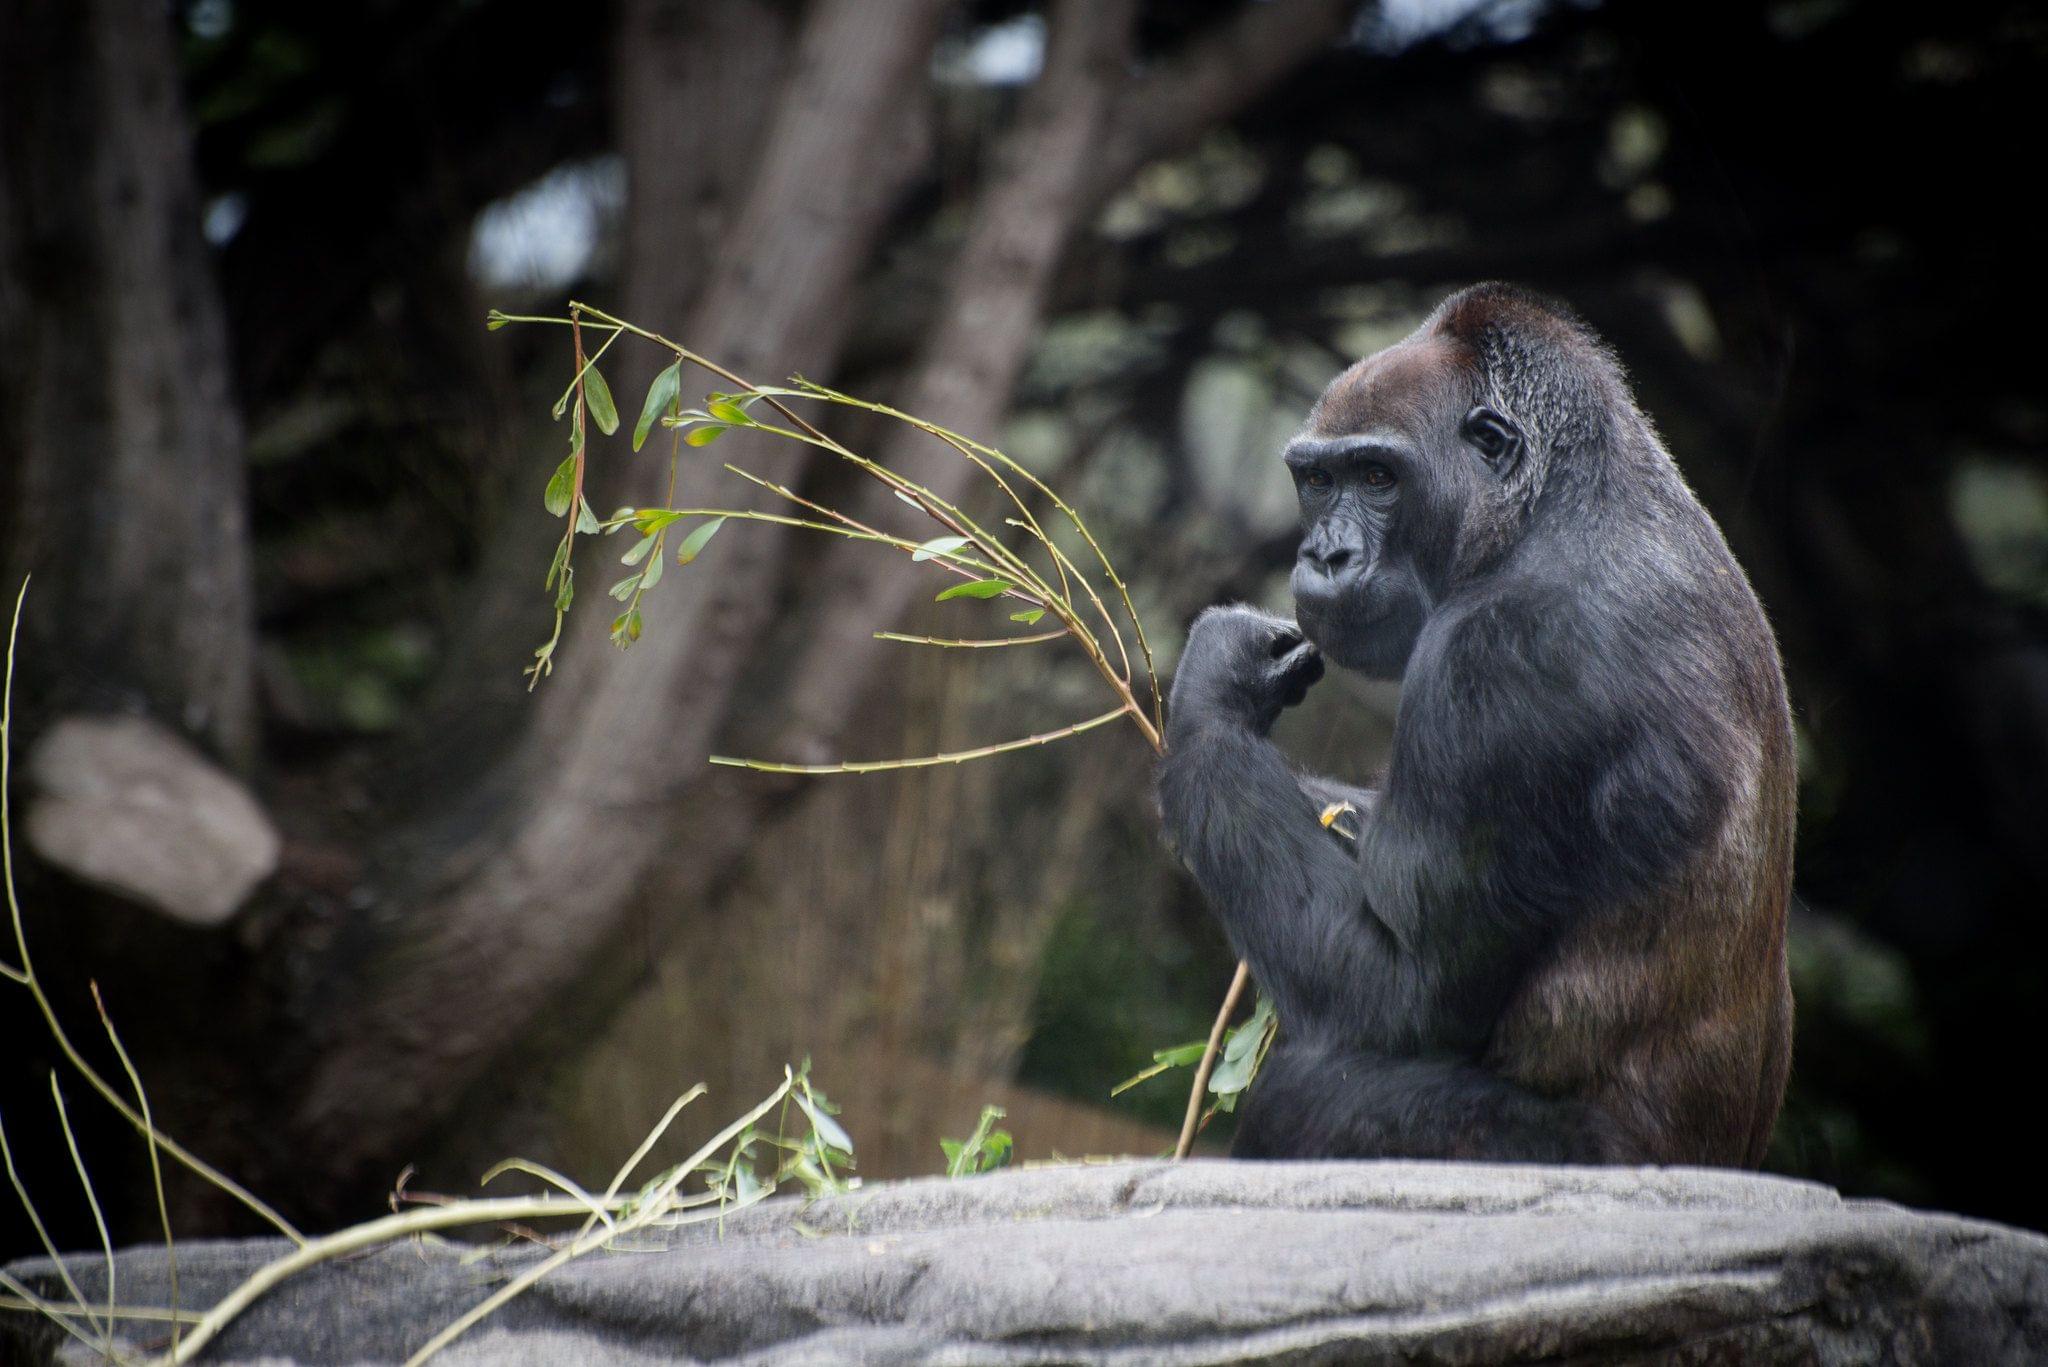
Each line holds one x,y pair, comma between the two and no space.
990,568
1092,609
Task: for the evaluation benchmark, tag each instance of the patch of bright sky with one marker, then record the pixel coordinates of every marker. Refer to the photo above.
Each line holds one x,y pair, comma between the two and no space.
1009,53
225,215
543,238
210,19
1398,24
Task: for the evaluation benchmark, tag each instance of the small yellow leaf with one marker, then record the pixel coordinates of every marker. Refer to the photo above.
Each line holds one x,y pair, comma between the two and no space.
1332,812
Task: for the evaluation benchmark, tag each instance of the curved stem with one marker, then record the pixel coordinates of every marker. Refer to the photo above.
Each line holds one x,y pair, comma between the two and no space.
876,766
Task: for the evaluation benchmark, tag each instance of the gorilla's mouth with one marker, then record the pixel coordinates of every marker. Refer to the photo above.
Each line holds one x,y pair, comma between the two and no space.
1339,614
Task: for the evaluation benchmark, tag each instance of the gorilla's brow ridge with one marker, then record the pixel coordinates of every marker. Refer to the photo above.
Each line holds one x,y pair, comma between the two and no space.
1309,449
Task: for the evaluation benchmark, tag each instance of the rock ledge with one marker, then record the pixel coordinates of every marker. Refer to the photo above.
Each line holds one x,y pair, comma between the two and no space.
1204,1262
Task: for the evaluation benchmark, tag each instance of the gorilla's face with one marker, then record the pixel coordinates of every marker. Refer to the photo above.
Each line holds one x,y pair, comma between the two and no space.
1394,464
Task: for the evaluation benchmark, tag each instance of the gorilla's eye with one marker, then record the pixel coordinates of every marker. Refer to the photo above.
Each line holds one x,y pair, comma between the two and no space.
1490,434
1378,477
1316,477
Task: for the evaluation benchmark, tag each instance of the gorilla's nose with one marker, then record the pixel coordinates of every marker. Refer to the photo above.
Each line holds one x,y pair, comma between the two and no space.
1328,561
1331,561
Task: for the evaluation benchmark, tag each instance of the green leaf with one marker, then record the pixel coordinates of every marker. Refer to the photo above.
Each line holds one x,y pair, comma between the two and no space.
693,544
661,395
597,395
586,521
562,487
637,552
1241,1053
566,594
1028,616
495,320
624,588
938,545
977,588
626,628
983,1151
650,520
824,1125
1162,1061
705,435
559,563
651,576
727,411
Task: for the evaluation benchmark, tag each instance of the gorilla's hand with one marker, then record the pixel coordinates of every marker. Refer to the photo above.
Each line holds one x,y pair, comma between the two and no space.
1242,666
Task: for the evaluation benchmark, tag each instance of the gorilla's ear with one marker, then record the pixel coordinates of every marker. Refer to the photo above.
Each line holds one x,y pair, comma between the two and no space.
1498,441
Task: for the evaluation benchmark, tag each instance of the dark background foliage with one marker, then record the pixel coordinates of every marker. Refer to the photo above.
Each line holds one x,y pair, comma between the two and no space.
281,492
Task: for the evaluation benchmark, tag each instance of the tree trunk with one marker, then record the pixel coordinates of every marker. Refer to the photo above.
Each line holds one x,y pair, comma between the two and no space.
995,296
696,83
588,806
120,447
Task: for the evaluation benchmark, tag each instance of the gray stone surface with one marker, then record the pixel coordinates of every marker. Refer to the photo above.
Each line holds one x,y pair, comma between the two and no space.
128,805
1204,1262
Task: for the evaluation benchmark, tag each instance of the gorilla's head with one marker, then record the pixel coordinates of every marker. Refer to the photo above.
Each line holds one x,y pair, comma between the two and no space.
1420,465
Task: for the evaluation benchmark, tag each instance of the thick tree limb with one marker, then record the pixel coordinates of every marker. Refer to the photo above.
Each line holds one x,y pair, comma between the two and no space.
995,294
120,448
1211,81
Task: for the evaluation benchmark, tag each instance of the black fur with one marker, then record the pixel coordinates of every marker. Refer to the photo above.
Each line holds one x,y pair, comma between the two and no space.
1558,934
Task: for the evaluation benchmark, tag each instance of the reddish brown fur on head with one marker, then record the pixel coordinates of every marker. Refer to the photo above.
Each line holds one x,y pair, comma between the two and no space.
1409,386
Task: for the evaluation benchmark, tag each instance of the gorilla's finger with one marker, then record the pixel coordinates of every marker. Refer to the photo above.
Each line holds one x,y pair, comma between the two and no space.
1304,662
1286,637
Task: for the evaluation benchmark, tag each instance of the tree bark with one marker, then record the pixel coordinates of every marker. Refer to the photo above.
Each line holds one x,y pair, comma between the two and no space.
995,296
695,84
120,446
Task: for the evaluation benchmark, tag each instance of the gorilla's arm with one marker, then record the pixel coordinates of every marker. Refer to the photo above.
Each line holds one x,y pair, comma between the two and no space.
1291,894
1412,937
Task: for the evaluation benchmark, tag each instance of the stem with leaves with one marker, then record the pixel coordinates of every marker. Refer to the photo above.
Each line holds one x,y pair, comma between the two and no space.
987,563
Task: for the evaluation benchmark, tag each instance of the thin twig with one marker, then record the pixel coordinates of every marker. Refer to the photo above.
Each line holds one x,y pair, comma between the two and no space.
1208,1063
35,1220
647,1144
970,644
876,766
645,1211
92,1199
60,1315
156,1167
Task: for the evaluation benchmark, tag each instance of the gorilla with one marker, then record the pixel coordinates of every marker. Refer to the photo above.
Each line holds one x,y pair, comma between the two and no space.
1555,929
